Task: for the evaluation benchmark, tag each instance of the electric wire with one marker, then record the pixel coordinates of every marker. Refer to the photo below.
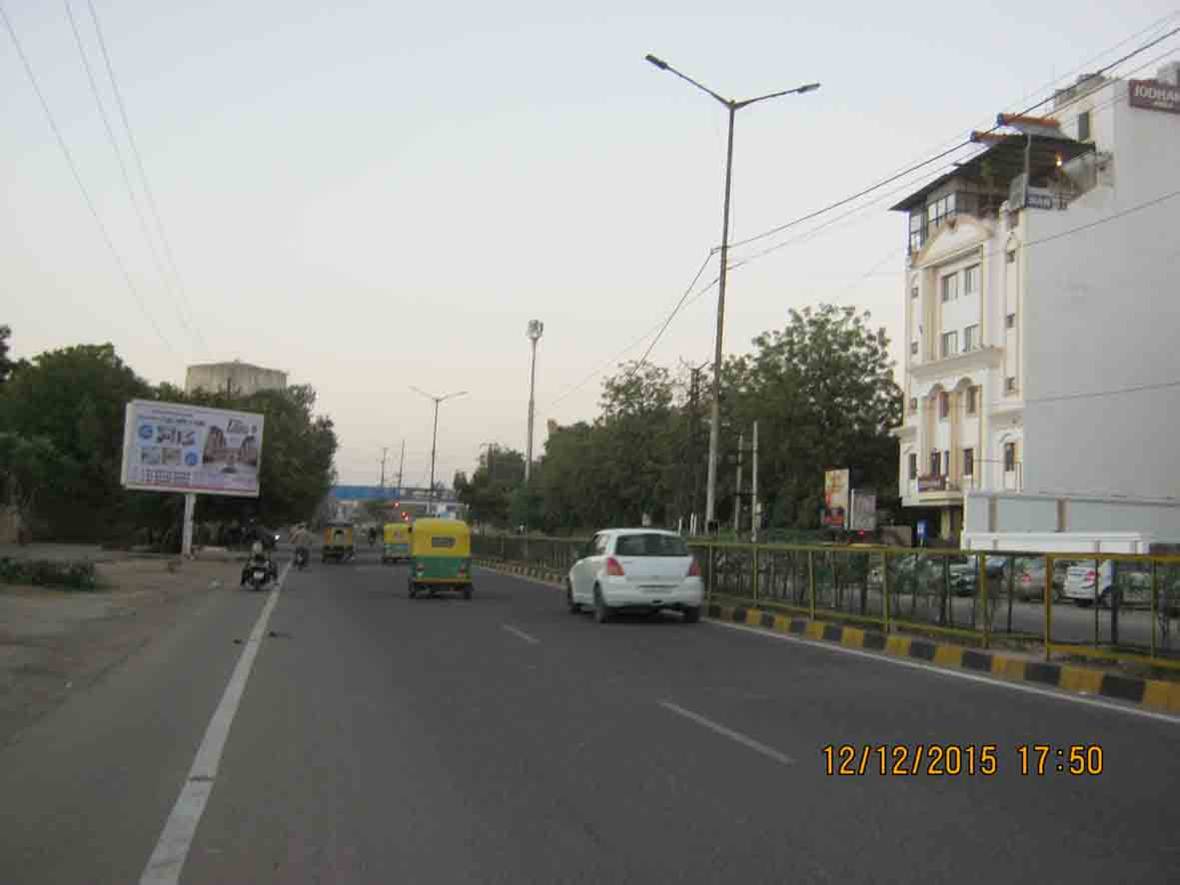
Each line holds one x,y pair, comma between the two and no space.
69,157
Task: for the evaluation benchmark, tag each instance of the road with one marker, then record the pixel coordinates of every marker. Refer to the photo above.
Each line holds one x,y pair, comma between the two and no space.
502,739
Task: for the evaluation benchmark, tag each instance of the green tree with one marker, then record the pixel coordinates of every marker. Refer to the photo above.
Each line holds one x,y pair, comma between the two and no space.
6,365
28,467
823,392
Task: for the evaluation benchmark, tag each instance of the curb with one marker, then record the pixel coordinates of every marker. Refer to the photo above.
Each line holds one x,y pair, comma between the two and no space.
1151,694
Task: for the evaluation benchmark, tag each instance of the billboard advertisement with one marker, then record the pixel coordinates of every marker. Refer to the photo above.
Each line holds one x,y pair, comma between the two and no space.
169,447
836,498
864,512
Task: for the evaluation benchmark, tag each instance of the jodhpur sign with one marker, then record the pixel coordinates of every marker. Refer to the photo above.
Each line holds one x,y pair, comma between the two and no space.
1155,96
169,447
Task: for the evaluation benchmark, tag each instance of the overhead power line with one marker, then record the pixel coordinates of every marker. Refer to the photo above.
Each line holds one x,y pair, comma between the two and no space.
61,142
106,122
934,159
147,188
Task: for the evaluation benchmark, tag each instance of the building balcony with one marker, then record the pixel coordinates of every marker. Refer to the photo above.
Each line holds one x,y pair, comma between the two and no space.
987,357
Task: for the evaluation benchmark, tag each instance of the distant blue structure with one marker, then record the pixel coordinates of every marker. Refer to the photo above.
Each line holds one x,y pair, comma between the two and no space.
388,493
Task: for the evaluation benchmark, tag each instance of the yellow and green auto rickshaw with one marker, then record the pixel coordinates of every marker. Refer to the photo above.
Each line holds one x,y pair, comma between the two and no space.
338,543
440,557
397,542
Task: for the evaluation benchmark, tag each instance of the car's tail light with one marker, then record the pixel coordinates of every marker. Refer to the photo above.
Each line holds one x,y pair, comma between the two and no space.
613,567
694,570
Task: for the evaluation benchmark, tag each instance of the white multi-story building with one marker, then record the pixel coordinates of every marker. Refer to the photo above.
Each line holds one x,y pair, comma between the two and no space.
1042,315
237,377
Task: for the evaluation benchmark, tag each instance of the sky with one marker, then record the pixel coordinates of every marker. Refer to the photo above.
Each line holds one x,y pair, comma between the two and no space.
374,196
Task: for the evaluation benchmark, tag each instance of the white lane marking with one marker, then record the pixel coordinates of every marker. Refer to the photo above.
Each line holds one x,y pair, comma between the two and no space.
742,739
958,674
525,636
172,849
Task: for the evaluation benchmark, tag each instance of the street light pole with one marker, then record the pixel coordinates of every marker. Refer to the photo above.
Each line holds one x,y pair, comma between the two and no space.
715,412
533,333
434,440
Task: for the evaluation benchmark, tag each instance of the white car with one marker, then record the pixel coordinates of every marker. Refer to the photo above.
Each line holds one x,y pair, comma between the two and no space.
636,570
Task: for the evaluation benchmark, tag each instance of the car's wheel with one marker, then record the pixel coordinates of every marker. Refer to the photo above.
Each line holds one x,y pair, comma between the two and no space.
1083,603
602,612
413,590
692,614
574,607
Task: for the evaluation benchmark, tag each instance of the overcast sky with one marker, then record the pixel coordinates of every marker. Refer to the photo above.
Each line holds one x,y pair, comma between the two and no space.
373,196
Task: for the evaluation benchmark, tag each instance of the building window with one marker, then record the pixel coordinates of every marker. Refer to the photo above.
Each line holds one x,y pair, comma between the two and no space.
914,293
950,344
968,462
917,230
913,404
914,348
972,400
971,338
1010,321
944,404
913,465
971,280
1084,126
936,463
1009,457
946,463
1011,257
950,287
1010,384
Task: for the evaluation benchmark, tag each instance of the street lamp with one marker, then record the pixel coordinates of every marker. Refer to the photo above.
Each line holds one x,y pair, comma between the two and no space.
715,417
434,440
533,333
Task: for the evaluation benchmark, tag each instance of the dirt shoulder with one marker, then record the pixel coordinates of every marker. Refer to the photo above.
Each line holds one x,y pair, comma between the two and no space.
53,642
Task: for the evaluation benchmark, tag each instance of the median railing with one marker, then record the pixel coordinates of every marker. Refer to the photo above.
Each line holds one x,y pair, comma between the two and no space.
1115,606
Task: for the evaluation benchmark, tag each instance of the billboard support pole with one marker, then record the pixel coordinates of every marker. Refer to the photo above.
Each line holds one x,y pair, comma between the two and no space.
190,505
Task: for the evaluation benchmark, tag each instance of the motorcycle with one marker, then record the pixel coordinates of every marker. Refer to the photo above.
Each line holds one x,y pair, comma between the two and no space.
258,573
301,558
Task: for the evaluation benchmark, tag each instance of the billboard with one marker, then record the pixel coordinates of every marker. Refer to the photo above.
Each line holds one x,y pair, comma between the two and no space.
836,498
169,447
864,512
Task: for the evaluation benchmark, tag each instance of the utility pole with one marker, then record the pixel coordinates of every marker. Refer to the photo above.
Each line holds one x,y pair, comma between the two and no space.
533,333
732,106
384,452
737,497
401,469
755,507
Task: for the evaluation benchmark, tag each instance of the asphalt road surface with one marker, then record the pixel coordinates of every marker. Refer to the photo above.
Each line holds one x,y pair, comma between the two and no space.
502,739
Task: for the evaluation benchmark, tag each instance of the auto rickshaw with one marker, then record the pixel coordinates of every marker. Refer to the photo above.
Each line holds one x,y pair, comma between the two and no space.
440,557
397,542
338,543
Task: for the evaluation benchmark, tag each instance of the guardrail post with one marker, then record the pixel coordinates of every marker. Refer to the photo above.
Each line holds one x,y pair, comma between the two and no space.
1048,595
755,573
1097,581
885,588
981,563
1154,604
811,582
709,567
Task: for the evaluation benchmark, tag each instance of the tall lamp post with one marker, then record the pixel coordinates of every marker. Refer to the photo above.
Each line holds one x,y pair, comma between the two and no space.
434,439
533,333
715,417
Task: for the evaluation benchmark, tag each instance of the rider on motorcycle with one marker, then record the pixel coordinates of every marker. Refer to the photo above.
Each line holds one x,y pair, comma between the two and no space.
302,538
259,559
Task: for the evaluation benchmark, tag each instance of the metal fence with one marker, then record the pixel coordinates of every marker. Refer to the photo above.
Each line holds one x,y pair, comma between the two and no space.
1113,606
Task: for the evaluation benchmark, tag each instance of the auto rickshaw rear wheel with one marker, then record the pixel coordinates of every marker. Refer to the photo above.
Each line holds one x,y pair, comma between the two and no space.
467,592
413,590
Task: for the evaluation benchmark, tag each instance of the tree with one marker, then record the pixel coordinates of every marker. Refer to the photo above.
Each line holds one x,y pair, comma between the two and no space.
488,493
28,467
6,365
823,392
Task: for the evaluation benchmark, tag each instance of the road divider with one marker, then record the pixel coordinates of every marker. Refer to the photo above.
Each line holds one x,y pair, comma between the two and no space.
1149,694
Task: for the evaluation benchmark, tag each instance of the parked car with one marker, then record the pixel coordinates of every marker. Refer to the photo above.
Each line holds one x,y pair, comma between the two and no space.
1131,580
636,570
1030,577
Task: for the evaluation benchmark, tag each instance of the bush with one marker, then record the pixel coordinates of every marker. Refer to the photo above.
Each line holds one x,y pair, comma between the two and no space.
45,573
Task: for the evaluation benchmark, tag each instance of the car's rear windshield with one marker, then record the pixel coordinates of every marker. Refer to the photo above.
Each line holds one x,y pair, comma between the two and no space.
651,545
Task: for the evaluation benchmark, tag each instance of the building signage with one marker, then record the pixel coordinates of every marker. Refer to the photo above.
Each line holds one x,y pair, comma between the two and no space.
836,498
169,447
1039,198
864,512
1155,96
932,483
